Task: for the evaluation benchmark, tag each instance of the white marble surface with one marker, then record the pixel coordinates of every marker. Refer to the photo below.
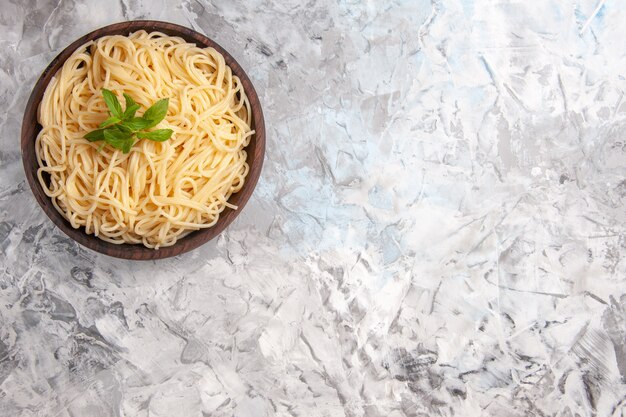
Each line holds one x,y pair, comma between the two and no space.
438,229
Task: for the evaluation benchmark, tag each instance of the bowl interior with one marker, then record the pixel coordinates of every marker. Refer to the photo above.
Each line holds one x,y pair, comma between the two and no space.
30,129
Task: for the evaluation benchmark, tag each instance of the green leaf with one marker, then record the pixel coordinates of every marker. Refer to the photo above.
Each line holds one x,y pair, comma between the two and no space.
128,145
118,139
110,121
112,103
95,136
129,113
131,107
129,100
157,112
124,129
136,123
159,135
119,129
115,134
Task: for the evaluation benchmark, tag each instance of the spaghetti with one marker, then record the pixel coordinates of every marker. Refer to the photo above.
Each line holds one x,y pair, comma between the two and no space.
160,191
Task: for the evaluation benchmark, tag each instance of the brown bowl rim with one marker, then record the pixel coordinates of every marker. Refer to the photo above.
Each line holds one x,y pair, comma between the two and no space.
256,149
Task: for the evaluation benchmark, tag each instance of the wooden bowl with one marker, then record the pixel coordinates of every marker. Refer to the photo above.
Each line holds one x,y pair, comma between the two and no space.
30,129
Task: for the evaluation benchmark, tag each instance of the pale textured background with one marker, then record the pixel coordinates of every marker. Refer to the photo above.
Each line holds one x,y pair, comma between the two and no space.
438,229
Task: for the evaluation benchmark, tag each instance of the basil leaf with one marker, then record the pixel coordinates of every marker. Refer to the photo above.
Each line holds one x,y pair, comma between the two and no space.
129,113
119,129
118,139
122,128
95,136
126,147
112,103
136,123
131,107
115,134
159,135
157,112
110,121
129,100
